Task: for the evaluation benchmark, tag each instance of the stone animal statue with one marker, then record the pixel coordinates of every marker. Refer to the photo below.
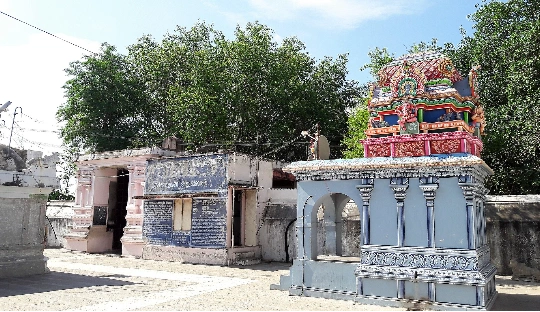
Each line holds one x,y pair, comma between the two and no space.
520,270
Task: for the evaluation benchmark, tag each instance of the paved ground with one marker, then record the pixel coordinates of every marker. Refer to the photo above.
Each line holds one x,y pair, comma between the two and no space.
85,282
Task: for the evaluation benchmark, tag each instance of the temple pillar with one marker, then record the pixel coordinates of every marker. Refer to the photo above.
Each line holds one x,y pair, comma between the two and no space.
429,185
399,186
132,239
365,190
82,217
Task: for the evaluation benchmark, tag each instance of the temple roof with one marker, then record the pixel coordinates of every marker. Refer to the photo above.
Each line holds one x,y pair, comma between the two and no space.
433,65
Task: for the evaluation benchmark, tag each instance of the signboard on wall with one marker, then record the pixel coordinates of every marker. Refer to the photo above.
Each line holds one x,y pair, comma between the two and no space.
202,173
157,222
209,222
100,215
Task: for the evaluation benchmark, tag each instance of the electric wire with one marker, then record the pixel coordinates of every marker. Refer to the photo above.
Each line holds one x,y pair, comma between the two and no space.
48,33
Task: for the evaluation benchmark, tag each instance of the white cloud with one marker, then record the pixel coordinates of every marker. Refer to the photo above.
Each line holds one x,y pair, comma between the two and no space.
31,76
344,14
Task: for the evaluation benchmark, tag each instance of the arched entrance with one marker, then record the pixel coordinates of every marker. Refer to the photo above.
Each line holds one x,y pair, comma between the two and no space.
337,232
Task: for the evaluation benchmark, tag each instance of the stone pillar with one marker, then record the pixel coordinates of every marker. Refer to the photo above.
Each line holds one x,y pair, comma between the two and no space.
132,239
22,230
467,184
365,190
329,222
400,186
82,218
429,185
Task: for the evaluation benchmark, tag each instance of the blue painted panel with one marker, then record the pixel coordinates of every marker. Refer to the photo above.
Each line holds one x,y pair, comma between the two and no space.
157,221
201,173
416,290
433,115
391,119
455,294
379,287
383,214
450,215
415,213
330,275
209,222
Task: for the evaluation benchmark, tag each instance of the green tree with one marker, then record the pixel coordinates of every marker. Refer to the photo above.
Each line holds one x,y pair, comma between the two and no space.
105,104
378,57
506,43
357,123
250,93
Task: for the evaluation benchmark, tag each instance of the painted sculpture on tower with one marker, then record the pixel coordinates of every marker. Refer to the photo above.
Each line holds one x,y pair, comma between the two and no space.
424,94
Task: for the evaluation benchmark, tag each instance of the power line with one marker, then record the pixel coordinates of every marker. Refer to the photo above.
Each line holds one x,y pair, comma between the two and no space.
48,33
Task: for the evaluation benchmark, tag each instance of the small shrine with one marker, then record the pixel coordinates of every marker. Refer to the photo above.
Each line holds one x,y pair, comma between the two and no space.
420,195
422,106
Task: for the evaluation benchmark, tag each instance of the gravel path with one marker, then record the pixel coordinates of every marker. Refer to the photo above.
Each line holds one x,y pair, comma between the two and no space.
85,282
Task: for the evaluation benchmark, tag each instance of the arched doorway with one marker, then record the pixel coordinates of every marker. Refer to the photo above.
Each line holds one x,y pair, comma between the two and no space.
337,224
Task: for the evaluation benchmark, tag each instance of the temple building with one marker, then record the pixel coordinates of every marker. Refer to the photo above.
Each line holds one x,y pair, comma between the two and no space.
167,204
106,216
420,195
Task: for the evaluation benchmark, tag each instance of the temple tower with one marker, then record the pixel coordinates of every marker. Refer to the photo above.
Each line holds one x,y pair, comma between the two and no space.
420,194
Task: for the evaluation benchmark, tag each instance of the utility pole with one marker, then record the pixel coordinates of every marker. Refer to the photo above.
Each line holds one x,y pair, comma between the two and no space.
317,135
12,124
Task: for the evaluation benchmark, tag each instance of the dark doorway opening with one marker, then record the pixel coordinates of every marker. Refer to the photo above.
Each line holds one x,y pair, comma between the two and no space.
237,219
121,203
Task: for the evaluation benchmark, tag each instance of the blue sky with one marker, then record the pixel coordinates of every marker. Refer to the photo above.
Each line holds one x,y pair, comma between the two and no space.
32,62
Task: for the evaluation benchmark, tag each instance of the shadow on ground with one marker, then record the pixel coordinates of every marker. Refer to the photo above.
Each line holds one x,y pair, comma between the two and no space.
517,302
522,300
14,286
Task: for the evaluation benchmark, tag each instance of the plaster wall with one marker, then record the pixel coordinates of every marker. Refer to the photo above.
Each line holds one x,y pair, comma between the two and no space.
102,178
59,219
272,232
513,231
22,232
251,218
241,169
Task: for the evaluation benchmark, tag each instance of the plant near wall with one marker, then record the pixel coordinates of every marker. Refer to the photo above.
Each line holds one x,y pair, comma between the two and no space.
357,124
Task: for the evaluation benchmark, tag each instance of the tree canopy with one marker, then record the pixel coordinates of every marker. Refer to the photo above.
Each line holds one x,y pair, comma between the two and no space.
249,93
506,44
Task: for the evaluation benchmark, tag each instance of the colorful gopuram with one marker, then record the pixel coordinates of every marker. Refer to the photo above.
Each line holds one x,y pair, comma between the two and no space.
420,195
422,106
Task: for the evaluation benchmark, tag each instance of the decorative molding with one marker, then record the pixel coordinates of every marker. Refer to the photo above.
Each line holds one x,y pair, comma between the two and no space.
420,260
477,278
415,145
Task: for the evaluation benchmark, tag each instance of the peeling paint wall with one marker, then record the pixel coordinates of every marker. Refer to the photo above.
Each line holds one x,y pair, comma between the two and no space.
275,219
513,231
241,169
22,232
59,219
